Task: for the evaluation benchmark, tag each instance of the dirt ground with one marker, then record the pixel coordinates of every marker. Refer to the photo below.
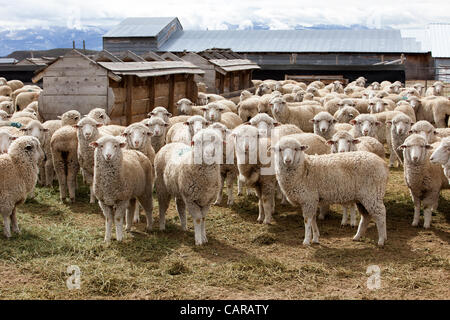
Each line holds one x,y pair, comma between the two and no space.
243,259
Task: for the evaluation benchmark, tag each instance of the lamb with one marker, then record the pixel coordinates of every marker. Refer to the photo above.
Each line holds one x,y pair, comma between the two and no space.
63,146
333,105
215,112
160,112
346,114
424,179
19,171
186,107
264,101
263,89
6,138
441,155
377,105
228,168
342,178
184,131
25,98
121,177
158,128
436,89
214,97
193,182
7,106
325,125
420,88
406,108
248,108
298,115
400,127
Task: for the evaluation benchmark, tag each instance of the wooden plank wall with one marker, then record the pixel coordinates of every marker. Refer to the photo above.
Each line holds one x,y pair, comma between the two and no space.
73,83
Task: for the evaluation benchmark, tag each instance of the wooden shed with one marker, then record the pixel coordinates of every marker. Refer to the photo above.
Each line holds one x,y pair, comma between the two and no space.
225,70
126,90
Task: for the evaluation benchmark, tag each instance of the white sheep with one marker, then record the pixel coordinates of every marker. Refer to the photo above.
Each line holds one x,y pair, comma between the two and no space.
424,179
346,114
300,115
160,112
310,181
186,107
216,112
400,127
436,89
6,138
441,155
121,177
7,106
192,176
325,125
19,174
184,131
23,99
158,128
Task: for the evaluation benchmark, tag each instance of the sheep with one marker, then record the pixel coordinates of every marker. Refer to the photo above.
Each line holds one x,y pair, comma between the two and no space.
160,112
346,114
202,99
19,171
15,84
215,112
3,81
406,108
158,128
68,118
264,101
436,89
435,109
121,177
248,108
309,181
420,88
263,89
430,133
264,123
63,146
193,182
177,119
186,107
24,99
424,179
6,138
211,97
5,99
5,91
228,168
377,105
325,125
344,142
400,127
99,115
375,86
202,87
298,115
4,116
184,131
333,105
441,155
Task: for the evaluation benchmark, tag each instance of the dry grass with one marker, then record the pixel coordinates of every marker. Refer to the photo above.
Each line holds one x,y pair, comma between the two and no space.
243,259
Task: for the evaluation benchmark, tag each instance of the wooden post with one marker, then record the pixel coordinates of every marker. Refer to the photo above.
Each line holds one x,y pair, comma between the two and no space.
231,82
151,94
221,82
170,106
129,99
241,80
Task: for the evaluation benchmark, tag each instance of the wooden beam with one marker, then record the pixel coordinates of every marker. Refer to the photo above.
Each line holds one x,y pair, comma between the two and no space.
221,82
231,81
151,94
241,80
129,99
170,106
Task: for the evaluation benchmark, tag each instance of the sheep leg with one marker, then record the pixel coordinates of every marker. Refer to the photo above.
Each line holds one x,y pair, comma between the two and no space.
219,194
315,230
147,203
204,212
239,183
379,215
91,194
49,173
323,208
181,209
260,205
427,212
363,224
130,211
344,220
107,212
62,180
267,202
353,210
15,226
309,211
6,226
163,202
118,218
196,214
392,159
230,180
415,222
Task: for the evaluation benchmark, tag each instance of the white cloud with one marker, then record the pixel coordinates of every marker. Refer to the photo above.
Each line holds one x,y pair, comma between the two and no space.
212,14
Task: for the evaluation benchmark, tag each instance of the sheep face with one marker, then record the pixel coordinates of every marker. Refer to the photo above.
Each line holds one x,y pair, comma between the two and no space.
35,129
343,142
415,149
313,91
323,122
278,106
70,118
157,126
346,114
394,88
221,129
401,125
442,154
365,125
28,147
414,102
202,99
213,112
288,152
136,135
299,95
438,88
208,147
246,144
419,87
5,141
160,112
425,129
4,116
263,89
87,128
195,124
7,106
361,82
375,86
346,103
245,94
263,123
109,147
184,106
99,115
377,105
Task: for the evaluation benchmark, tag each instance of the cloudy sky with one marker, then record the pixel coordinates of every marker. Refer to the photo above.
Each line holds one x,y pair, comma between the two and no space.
202,14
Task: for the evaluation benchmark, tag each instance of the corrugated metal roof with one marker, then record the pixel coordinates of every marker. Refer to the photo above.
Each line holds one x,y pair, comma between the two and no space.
152,68
371,40
139,27
228,65
439,34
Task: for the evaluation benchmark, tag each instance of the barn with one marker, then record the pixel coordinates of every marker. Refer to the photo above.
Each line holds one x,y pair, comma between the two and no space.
126,90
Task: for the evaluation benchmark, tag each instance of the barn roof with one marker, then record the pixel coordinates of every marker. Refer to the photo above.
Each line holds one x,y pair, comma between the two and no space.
435,38
228,65
367,40
139,27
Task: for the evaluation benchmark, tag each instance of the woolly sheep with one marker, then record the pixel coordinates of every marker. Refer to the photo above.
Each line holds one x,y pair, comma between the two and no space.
248,108
186,107
160,112
5,91
441,155
424,179
406,108
121,177
264,123
6,138
215,112
325,125
346,114
377,105
435,109
184,131
430,133
158,128
342,178
15,84
298,115
400,126
24,99
4,116
19,171
263,89
436,89
194,184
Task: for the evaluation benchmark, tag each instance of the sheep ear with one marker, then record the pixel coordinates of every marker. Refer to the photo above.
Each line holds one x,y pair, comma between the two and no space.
168,114
247,123
428,147
75,126
186,123
312,120
125,134
303,148
401,147
356,141
204,109
23,129
98,125
330,142
94,144
122,144
334,120
353,122
45,130
377,123
59,117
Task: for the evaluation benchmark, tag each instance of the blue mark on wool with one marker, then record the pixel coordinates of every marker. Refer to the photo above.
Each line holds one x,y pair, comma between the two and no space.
183,151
